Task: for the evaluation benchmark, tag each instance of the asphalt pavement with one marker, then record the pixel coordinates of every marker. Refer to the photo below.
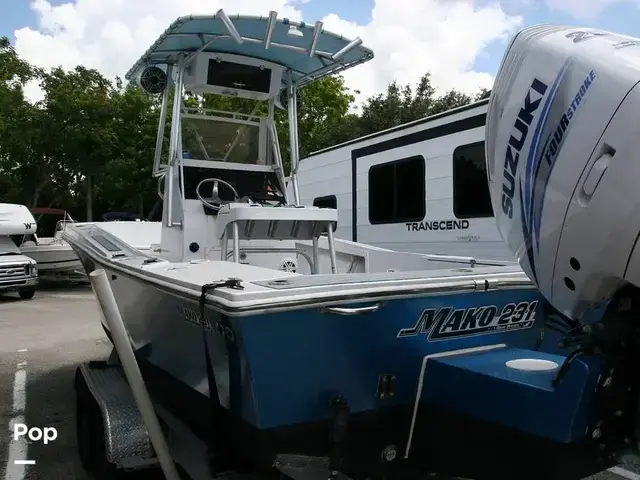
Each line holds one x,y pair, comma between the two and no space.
41,343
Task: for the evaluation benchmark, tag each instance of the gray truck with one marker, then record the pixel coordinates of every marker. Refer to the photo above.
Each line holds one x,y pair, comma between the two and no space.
18,273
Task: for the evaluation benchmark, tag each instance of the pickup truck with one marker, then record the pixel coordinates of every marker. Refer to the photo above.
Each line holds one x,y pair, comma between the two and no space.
18,273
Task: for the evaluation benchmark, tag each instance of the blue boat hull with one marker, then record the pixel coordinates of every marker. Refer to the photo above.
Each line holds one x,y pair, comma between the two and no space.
277,374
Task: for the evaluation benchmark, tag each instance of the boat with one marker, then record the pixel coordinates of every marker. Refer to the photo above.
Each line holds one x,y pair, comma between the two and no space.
55,258
370,363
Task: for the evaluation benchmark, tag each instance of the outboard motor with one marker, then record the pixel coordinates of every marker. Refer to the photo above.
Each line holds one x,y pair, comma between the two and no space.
562,147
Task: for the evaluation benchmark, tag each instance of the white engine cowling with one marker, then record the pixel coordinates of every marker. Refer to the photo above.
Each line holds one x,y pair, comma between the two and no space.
562,147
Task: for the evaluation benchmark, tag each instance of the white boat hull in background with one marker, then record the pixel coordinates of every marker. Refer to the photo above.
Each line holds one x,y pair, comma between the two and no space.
53,258
56,259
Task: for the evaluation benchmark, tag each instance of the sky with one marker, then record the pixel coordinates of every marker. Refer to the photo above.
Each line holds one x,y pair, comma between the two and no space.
460,42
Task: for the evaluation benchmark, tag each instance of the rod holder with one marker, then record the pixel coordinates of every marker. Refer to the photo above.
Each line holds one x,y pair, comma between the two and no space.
317,30
230,26
271,25
346,49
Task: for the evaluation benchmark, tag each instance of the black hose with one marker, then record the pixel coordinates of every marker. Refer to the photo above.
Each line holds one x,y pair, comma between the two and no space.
566,364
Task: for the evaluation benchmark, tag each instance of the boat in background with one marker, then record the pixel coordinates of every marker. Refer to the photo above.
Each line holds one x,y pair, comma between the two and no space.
55,258
122,217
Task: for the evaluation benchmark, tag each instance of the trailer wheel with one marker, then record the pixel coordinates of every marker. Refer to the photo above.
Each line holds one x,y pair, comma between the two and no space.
91,435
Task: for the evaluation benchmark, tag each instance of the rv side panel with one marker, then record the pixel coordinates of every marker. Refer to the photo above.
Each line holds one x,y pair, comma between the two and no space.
447,211
325,181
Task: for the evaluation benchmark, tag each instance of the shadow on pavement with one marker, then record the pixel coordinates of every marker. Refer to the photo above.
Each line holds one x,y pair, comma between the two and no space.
51,286
51,402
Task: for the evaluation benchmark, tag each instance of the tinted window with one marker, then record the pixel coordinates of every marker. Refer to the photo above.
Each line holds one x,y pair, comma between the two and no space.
397,191
471,198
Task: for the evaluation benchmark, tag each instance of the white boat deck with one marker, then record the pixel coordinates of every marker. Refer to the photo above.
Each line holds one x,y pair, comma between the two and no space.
264,287
271,289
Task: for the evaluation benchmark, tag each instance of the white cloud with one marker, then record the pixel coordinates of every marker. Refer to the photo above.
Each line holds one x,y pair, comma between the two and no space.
409,37
585,9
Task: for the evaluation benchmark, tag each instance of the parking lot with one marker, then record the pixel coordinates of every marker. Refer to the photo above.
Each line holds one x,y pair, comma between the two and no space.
41,343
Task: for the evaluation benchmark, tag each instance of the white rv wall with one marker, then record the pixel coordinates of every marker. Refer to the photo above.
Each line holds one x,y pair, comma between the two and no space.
330,176
330,173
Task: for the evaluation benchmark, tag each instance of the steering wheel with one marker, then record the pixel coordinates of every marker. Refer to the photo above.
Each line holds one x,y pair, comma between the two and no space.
214,202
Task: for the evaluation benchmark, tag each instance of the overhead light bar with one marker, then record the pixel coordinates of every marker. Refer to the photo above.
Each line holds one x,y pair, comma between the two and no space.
346,49
271,25
317,30
230,26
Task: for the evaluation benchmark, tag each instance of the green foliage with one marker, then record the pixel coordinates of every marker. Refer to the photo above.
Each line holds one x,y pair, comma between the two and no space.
127,173
88,146
400,105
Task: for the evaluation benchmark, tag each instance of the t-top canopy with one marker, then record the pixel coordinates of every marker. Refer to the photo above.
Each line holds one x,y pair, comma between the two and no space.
308,51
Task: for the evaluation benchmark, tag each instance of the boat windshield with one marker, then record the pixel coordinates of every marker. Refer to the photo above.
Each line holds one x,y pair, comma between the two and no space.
221,140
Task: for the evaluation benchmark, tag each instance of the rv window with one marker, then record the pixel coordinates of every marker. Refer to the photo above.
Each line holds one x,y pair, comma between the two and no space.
328,201
471,198
397,191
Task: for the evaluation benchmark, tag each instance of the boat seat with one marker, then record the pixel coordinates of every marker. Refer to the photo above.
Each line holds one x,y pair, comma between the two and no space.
257,222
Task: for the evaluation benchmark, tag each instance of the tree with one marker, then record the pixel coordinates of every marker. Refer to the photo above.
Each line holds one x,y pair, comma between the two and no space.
126,182
484,93
78,109
400,105
451,99
323,106
21,132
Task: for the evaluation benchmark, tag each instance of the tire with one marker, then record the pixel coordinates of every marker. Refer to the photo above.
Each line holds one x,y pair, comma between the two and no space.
27,293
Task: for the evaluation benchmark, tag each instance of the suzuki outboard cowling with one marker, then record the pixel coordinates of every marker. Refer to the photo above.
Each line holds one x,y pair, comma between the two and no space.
561,145
562,153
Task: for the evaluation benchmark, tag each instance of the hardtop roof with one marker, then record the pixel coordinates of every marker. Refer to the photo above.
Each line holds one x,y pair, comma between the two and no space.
309,57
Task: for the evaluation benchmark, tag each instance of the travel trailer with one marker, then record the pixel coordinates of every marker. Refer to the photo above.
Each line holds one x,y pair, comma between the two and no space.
419,187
